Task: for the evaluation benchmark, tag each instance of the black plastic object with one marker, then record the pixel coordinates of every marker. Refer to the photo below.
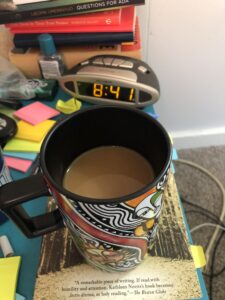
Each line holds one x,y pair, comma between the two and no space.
24,190
8,128
11,103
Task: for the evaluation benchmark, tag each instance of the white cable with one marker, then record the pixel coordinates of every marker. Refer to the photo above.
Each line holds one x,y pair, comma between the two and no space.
222,215
207,224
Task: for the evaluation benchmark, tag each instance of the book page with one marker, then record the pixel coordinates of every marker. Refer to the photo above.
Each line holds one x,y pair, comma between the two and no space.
168,271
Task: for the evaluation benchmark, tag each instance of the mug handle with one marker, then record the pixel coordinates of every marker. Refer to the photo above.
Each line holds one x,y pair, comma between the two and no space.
17,192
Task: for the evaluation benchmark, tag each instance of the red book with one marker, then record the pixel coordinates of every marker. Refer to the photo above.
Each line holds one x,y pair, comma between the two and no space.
127,24
110,17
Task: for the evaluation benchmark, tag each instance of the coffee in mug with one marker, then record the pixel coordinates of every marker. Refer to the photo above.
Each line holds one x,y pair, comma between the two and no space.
108,172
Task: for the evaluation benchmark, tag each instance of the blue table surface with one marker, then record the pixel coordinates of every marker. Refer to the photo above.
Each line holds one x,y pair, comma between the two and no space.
29,249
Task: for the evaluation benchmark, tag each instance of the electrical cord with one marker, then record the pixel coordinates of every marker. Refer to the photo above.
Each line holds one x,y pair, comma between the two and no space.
220,185
207,224
214,239
214,218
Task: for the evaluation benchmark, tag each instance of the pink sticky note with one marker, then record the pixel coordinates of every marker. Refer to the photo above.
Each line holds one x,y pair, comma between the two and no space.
17,163
35,113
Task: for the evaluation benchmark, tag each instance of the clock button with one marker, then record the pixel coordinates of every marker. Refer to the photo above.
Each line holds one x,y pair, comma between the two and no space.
108,61
127,64
98,61
117,62
143,69
84,63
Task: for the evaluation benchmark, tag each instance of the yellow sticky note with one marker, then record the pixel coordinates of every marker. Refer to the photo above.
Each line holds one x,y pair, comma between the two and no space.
198,256
34,133
22,146
9,268
69,106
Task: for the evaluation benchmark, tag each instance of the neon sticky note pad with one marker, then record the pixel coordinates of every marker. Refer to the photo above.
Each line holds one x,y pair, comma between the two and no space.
69,106
34,133
9,268
36,113
198,256
22,146
18,164
23,155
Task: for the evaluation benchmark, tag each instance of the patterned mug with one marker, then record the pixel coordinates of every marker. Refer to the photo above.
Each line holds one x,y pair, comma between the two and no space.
111,234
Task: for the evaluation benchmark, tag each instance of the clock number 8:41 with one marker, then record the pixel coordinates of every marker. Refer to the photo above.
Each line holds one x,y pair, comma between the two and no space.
99,89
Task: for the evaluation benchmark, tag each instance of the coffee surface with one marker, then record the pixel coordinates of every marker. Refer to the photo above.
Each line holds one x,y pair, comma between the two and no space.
108,172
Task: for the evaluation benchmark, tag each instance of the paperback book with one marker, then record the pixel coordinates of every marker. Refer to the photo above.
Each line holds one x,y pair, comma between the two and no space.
127,24
109,17
168,271
72,39
59,8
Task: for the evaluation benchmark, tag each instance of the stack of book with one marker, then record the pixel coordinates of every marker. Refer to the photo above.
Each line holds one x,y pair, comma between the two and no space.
80,29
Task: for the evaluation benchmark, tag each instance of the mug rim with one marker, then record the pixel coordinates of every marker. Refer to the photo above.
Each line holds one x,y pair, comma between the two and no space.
76,197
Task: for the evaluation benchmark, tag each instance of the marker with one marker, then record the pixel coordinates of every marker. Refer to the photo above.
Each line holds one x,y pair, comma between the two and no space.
6,246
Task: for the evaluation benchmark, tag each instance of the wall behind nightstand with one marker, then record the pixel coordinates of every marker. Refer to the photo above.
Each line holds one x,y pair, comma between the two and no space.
183,41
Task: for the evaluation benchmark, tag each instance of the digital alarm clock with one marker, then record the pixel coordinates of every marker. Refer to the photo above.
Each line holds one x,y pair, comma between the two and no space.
112,79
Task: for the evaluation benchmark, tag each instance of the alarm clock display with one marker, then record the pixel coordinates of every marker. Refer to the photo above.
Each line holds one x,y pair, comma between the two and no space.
112,79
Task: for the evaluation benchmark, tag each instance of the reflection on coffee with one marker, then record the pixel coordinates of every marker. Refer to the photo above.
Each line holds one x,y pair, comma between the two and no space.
108,172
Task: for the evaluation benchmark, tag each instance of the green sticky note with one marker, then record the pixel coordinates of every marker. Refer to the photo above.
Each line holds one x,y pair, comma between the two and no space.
9,268
22,146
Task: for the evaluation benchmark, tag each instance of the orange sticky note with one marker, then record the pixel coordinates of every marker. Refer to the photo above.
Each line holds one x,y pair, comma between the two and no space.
18,164
34,133
35,113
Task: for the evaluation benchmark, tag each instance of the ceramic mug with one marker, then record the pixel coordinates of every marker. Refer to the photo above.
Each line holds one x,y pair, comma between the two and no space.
111,234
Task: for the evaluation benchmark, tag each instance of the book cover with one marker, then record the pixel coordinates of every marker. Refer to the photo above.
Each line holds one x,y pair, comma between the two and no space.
27,61
69,39
58,8
127,24
168,271
109,17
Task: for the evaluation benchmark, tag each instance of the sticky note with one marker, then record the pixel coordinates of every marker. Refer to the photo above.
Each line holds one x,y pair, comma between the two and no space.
34,133
23,155
22,146
69,106
198,256
18,164
36,113
9,268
